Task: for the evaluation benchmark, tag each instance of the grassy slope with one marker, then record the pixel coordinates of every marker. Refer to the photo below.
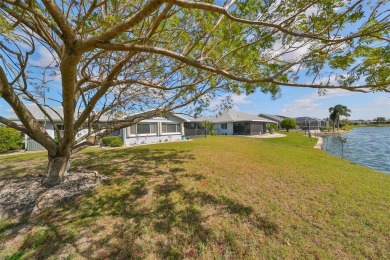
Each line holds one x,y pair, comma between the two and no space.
220,196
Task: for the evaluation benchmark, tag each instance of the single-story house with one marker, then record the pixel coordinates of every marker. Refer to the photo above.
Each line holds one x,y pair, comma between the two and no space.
234,122
55,113
155,130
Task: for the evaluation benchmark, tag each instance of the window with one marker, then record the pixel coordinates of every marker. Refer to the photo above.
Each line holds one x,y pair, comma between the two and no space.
224,126
60,127
142,128
170,128
133,130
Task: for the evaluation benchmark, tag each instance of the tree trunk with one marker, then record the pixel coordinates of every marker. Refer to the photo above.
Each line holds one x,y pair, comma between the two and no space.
56,169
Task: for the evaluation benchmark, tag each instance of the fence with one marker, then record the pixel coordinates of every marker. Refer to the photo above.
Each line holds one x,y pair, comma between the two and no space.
32,145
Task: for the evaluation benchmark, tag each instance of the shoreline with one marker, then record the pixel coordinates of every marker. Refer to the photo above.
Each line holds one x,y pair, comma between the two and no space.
341,132
320,143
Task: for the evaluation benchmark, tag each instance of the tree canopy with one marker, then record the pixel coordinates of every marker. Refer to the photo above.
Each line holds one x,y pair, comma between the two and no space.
288,123
111,58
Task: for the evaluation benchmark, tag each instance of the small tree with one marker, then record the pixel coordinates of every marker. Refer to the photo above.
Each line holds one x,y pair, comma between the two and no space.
380,120
10,139
288,123
344,122
208,126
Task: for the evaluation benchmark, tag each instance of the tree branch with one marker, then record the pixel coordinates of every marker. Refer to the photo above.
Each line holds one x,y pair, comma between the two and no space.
68,34
116,30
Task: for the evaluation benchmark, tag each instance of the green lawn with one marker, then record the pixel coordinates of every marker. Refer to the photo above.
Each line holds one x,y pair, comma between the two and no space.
215,197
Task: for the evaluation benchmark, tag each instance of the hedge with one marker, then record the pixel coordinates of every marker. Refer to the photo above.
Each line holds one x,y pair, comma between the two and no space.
10,139
112,141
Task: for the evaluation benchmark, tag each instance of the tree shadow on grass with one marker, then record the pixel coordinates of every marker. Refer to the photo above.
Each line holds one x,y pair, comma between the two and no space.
13,172
144,211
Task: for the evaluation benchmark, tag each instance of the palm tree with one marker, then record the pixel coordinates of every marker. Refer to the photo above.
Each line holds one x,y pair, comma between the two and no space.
333,117
336,112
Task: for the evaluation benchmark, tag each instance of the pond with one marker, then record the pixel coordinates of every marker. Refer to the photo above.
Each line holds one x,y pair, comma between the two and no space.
368,146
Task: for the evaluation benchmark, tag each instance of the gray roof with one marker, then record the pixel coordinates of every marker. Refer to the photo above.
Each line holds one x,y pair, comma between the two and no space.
129,116
307,119
272,117
54,112
232,116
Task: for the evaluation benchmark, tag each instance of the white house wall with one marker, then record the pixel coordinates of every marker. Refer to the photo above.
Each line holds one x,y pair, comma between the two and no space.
220,131
154,138
149,139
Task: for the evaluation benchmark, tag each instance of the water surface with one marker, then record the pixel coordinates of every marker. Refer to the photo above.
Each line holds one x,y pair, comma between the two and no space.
368,146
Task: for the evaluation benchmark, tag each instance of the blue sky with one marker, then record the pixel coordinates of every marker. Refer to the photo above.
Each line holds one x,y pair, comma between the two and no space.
296,102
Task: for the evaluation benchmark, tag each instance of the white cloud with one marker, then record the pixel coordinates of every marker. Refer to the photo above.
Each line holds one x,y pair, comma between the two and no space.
236,100
290,53
337,92
383,101
46,58
311,104
241,100
301,106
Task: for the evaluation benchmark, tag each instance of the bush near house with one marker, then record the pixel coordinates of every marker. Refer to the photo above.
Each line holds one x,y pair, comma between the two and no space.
325,128
112,141
272,127
10,139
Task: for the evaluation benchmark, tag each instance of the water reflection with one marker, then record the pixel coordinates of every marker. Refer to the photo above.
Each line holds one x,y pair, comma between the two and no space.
369,146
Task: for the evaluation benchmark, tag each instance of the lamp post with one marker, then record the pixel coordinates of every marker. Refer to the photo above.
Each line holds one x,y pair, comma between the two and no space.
342,140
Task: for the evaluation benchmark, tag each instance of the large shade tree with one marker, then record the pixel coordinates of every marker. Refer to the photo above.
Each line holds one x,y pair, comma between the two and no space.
176,55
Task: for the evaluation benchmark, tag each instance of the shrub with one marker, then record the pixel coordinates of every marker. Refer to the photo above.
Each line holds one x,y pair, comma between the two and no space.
272,127
116,143
112,141
288,123
325,128
10,139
